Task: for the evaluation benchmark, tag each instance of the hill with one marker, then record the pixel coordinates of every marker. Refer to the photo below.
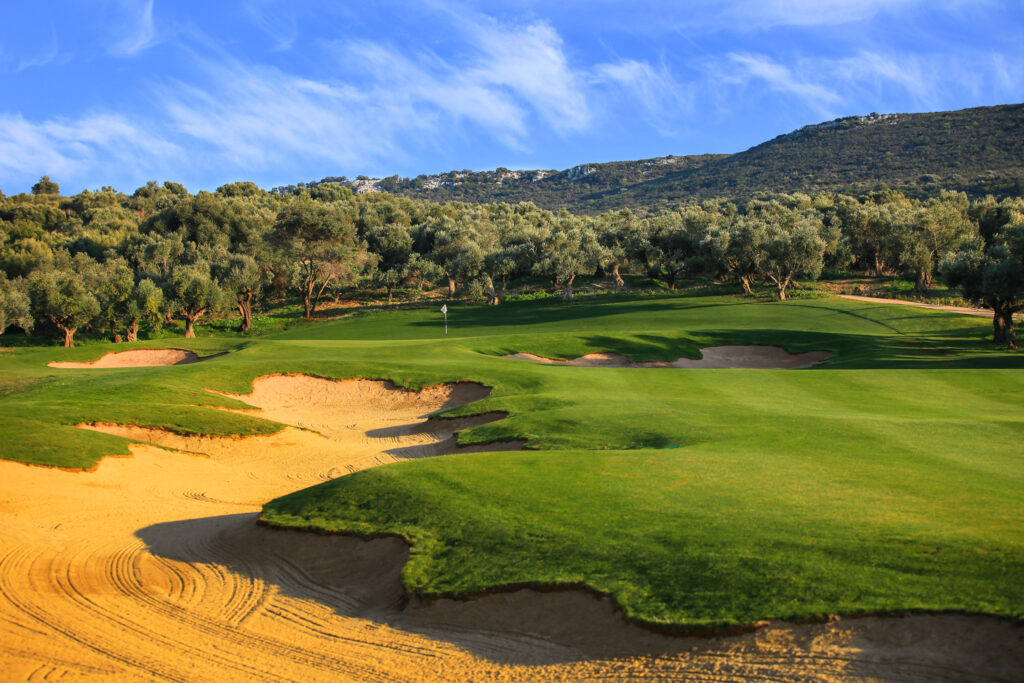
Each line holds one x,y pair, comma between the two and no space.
551,189
979,151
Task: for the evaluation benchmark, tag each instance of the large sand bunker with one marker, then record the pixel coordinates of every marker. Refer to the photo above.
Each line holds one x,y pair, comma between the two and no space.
748,356
139,358
153,567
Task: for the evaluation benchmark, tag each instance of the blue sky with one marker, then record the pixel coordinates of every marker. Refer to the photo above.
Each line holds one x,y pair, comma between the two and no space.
118,92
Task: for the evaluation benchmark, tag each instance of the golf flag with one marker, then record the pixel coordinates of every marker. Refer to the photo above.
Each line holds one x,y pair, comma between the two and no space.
444,309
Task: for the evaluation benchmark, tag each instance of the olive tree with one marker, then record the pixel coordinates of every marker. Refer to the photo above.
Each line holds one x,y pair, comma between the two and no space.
61,297
391,243
933,232
790,249
145,303
242,280
992,275
737,249
456,250
15,304
318,240
570,249
113,292
193,293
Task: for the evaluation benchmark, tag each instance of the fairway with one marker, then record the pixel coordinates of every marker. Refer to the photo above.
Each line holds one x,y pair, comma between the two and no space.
886,479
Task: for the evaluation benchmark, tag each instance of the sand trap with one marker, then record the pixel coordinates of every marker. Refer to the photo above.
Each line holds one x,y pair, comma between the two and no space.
139,358
754,357
154,567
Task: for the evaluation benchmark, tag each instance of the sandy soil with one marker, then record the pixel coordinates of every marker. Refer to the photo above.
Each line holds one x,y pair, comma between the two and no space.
153,567
729,356
938,307
139,358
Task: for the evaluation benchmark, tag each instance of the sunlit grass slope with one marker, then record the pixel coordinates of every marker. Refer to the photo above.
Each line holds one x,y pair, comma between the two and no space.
888,479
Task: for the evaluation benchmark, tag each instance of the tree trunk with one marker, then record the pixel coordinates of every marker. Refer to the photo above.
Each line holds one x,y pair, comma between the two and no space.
492,296
117,338
245,310
190,321
69,336
878,266
1002,324
307,298
780,285
320,293
616,277
451,287
133,330
745,285
389,294
922,282
567,288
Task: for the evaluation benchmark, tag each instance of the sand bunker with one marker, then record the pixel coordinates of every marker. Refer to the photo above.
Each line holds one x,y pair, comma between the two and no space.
754,357
139,358
154,567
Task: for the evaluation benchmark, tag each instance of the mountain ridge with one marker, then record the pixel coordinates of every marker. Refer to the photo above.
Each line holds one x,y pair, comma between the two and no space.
979,150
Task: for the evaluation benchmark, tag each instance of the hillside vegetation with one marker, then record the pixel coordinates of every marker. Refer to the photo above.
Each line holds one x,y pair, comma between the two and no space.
979,151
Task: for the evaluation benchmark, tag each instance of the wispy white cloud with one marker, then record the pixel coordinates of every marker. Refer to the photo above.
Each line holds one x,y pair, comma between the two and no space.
386,104
734,15
512,79
91,145
261,116
770,13
870,79
275,18
530,62
876,72
137,32
49,57
426,91
653,92
740,69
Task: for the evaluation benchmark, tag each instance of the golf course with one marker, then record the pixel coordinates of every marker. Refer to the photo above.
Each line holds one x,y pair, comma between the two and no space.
671,518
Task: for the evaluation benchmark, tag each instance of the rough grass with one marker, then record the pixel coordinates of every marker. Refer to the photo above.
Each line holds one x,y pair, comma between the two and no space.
889,479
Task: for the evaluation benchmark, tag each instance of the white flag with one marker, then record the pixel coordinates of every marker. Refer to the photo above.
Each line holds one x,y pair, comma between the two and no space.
444,309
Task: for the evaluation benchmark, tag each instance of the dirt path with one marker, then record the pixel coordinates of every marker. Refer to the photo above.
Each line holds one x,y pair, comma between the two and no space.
153,568
984,312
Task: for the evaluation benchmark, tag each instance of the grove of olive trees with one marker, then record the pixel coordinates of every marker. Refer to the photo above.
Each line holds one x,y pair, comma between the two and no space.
124,266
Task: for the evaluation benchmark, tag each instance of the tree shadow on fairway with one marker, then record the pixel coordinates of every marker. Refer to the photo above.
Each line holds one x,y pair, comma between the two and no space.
958,348
358,578
533,312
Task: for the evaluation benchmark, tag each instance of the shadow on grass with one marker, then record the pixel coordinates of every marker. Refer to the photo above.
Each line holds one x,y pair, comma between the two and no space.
534,312
947,349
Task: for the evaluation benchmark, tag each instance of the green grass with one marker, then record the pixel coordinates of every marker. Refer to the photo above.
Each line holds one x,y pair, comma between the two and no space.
889,479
